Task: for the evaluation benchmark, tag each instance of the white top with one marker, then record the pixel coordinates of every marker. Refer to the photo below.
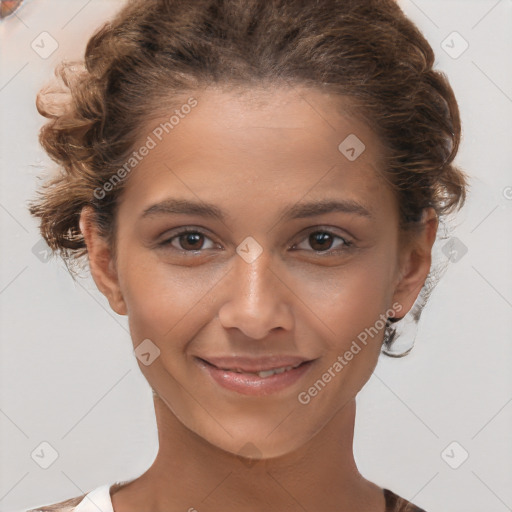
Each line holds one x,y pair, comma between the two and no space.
98,500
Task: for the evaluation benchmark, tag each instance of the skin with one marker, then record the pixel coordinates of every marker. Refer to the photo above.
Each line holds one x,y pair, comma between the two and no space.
252,155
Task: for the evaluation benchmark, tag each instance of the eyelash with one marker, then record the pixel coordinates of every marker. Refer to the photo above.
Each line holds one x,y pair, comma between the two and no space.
346,243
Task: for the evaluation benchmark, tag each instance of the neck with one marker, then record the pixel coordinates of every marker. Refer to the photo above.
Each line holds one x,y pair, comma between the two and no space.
190,473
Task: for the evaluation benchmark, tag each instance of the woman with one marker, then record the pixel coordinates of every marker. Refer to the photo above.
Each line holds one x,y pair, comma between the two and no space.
257,185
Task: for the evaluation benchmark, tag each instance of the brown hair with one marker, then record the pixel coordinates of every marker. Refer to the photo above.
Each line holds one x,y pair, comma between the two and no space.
154,53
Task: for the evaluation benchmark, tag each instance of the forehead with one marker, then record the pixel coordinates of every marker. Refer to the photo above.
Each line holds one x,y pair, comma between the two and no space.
235,146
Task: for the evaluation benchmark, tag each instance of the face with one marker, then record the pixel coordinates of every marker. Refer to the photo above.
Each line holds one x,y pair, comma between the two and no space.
246,234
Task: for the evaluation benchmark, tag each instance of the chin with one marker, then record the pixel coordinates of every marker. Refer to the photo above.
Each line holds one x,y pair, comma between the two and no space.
253,444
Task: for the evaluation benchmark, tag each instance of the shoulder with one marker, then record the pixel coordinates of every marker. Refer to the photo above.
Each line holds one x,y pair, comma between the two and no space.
96,500
62,506
395,503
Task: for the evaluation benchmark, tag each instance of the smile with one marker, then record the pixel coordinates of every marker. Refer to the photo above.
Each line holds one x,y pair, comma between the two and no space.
263,373
259,382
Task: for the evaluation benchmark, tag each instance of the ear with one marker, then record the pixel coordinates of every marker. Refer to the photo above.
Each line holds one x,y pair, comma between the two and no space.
101,262
415,261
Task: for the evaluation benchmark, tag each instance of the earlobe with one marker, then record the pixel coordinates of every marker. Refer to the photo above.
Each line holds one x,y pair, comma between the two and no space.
415,262
101,262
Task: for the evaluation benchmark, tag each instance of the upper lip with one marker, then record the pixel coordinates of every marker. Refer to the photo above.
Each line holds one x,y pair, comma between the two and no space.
254,364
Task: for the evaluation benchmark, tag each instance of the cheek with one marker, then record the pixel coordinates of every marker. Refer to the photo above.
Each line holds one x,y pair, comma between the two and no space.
346,300
173,302
351,308
161,299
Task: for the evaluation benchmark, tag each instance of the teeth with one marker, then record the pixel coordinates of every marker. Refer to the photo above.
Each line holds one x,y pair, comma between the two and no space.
265,373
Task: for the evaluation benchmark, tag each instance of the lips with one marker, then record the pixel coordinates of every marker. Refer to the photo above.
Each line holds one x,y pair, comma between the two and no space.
240,364
255,376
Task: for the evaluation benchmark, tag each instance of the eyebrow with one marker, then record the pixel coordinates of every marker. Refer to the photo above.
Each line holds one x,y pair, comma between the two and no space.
297,211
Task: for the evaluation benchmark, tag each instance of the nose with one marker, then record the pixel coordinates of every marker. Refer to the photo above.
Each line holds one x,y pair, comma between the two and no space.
257,300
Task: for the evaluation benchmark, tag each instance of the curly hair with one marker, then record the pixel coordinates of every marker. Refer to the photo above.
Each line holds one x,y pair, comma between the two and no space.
155,53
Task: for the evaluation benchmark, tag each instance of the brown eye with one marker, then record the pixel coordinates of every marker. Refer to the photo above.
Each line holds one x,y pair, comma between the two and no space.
188,241
7,7
320,240
323,241
191,241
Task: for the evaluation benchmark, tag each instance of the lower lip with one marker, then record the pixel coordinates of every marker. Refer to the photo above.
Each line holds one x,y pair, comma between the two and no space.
251,384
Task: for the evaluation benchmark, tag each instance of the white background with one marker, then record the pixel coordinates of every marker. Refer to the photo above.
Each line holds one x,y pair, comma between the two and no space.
68,374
